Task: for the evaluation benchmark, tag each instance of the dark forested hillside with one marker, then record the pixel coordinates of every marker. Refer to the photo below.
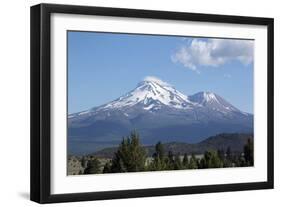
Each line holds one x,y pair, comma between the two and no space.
223,150
234,141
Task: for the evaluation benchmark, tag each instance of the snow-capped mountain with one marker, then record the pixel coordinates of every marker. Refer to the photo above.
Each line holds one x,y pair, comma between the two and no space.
160,113
151,93
213,101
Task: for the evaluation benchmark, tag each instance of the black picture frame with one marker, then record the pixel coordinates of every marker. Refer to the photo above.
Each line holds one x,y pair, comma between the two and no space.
41,97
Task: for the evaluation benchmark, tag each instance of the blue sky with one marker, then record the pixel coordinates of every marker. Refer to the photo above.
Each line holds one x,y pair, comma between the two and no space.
104,66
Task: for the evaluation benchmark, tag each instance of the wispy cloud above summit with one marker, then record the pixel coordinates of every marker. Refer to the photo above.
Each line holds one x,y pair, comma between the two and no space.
213,53
157,80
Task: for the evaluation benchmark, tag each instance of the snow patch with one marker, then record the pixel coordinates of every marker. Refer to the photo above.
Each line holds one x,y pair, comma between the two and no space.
149,107
208,97
84,112
156,80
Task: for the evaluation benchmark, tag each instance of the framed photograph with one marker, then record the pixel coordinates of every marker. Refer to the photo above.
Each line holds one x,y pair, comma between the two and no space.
132,103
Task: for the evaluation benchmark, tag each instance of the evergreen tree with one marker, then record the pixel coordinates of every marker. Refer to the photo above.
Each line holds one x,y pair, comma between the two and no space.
202,163
170,162
228,154
211,160
83,162
249,153
130,156
221,154
158,162
229,159
237,161
93,167
185,161
119,156
159,150
215,161
177,163
107,168
241,162
193,162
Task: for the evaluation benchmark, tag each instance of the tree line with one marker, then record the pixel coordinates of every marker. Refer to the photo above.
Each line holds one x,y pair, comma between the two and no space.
131,156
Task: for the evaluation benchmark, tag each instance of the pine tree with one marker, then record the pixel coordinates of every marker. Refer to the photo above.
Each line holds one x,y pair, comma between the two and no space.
137,154
215,161
249,153
221,154
193,162
211,160
158,162
119,156
169,161
83,162
242,161
202,163
228,161
177,163
93,167
185,161
130,156
159,151
228,154
107,168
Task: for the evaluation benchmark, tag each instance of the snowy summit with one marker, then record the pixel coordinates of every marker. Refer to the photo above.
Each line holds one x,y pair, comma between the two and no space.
153,94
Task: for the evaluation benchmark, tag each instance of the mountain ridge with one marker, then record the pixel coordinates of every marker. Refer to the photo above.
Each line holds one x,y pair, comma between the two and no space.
153,89
160,113
235,142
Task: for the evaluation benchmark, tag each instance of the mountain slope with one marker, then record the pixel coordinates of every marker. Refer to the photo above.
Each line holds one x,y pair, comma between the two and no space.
158,112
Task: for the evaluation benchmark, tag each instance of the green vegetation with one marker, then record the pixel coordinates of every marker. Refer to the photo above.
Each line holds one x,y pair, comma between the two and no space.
131,156
249,153
93,167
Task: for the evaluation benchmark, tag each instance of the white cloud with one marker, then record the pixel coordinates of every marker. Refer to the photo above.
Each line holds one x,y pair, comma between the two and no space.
213,52
156,80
